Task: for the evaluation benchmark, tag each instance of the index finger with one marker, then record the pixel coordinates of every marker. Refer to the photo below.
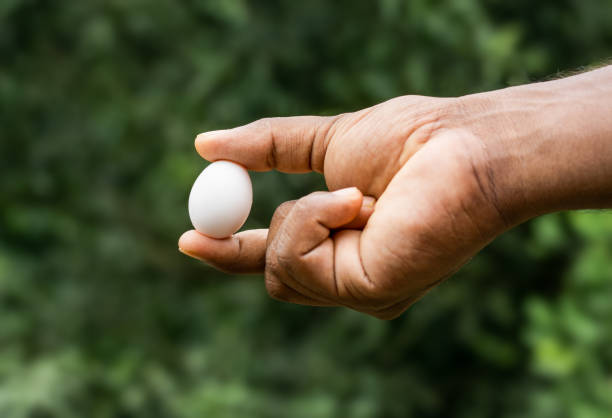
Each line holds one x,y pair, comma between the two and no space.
294,144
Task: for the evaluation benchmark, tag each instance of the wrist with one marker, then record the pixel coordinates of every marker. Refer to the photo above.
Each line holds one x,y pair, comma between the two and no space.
546,146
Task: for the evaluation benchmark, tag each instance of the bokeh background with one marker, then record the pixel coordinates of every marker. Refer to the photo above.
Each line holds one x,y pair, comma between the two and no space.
101,316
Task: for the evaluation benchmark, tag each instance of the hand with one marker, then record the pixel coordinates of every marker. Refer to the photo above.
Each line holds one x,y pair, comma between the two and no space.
431,213
441,179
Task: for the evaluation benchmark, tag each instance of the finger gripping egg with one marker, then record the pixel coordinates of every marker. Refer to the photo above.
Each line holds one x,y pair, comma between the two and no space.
220,199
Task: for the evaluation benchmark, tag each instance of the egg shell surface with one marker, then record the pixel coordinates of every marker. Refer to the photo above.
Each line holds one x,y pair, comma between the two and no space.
220,199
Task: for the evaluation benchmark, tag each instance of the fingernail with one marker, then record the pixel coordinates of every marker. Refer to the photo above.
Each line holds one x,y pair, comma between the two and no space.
211,134
188,254
346,192
368,202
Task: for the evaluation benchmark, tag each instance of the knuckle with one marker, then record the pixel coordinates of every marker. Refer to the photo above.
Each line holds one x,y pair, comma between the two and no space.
275,288
305,204
272,266
265,124
281,264
284,208
279,216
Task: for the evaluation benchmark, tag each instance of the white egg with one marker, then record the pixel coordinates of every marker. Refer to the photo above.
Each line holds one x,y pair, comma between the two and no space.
220,199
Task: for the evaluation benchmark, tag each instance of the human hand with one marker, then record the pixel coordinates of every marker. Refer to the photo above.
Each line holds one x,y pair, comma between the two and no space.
441,179
426,211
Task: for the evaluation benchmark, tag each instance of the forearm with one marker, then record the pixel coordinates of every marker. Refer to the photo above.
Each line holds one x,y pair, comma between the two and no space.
548,145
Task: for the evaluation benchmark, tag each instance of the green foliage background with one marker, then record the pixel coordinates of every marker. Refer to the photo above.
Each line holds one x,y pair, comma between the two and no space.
100,316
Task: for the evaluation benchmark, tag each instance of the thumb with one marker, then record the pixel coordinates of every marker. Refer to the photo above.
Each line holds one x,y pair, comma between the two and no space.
293,144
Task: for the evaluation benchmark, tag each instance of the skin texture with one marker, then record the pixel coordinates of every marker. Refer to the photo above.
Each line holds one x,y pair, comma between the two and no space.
418,186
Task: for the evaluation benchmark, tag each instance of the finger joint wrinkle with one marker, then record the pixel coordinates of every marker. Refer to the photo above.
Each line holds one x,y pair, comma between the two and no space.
320,139
271,157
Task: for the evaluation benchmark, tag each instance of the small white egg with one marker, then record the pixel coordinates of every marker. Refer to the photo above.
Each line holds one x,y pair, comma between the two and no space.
220,199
